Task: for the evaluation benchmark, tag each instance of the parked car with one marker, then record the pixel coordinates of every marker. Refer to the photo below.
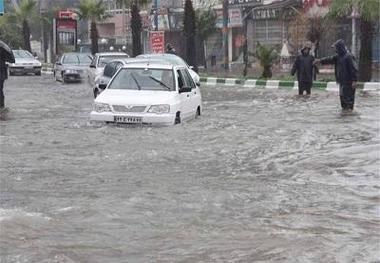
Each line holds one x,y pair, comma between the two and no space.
175,60
72,67
112,67
25,63
98,63
149,94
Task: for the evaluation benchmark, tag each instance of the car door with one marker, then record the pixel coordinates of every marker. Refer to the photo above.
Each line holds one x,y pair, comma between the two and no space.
92,71
195,97
185,97
58,68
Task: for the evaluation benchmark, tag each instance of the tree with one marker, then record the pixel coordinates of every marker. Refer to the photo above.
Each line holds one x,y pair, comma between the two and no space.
9,33
94,11
136,22
190,32
368,14
205,24
266,56
23,15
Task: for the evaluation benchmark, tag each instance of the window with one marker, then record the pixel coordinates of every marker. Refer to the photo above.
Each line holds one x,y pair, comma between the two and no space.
188,78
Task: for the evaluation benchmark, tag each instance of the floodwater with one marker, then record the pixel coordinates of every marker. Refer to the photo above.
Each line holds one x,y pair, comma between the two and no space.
262,176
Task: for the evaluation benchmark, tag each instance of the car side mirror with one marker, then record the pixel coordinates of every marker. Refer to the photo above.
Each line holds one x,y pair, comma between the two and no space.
92,66
198,83
185,89
58,63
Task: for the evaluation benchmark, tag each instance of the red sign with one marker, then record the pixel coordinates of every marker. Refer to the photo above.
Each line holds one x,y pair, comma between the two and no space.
157,41
67,14
66,24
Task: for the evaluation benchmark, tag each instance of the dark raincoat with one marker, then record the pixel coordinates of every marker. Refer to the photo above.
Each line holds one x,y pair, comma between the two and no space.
345,73
304,68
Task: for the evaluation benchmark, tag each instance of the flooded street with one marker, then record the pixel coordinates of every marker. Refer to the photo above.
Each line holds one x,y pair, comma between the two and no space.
262,176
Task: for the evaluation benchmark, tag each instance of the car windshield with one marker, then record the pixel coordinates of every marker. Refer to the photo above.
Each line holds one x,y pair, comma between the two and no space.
76,59
103,60
22,54
144,79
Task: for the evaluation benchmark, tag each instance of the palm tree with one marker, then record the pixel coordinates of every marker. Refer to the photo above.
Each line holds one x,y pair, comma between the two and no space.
23,14
205,24
266,55
368,15
94,11
136,22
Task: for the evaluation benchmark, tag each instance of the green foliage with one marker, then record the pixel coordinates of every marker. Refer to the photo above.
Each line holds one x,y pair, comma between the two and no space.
205,23
93,10
9,33
266,56
368,9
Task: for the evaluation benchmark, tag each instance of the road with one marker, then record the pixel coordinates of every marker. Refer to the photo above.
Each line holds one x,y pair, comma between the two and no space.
262,176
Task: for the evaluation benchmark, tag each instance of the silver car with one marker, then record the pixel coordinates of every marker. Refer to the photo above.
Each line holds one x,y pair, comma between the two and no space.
72,67
24,63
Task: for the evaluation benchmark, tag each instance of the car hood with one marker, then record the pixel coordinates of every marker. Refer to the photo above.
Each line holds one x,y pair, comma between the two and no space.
136,97
26,61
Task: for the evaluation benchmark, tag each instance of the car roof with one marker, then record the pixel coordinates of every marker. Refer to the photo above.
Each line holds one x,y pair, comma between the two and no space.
158,55
139,60
150,65
111,54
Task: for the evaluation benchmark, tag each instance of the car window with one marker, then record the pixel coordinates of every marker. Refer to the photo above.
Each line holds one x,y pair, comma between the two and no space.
109,69
93,62
22,54
78,59
103,60
185,78
181,81
188,78
144,79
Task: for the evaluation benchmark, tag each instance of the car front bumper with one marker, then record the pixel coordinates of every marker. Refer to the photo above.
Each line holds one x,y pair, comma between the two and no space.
146,118
24,70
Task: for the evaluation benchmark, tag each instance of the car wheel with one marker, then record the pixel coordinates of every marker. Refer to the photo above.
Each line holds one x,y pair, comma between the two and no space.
177,119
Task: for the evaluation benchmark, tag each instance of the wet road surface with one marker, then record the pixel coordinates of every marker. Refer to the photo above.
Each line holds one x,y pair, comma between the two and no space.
262,176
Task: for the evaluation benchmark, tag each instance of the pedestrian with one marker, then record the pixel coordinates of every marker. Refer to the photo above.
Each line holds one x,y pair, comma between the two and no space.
304,67
3,77
170,49
345,73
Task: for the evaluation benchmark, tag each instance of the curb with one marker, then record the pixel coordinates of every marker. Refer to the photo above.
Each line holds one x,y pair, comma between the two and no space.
282,84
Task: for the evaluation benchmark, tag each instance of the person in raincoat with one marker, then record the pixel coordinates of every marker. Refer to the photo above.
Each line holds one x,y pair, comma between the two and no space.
304,67
170,49
3,77
345,73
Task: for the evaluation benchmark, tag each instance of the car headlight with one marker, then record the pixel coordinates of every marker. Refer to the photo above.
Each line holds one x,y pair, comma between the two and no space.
159,109
101,107
71,71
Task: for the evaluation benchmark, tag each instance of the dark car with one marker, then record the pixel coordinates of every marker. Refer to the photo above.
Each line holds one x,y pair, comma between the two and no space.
72,67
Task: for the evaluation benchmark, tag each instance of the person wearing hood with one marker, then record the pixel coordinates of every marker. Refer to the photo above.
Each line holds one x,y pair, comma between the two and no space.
345,74
3,77
170,49
304,68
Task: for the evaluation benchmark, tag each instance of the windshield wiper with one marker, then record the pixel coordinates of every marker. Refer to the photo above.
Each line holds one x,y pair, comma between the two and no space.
160,82
137,83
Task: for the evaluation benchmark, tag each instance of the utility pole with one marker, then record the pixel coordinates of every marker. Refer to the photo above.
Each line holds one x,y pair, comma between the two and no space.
156,15
225,34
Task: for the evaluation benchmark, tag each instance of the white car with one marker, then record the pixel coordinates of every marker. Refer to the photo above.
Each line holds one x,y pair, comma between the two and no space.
175,60
149,94
24,63
98,63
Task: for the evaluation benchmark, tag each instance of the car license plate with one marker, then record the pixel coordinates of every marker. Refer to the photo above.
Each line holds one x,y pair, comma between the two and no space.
123,119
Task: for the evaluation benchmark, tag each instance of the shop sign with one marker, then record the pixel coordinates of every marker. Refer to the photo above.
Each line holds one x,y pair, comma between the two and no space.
266,14
245,2
157,41
234,18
